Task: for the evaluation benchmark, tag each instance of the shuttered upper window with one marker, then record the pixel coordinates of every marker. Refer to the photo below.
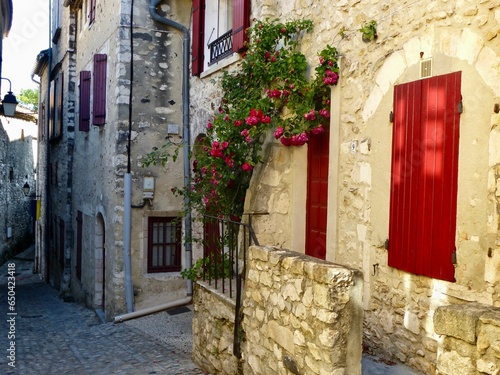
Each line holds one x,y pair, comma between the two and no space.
84,101
219,29
423,207
99,90
56,107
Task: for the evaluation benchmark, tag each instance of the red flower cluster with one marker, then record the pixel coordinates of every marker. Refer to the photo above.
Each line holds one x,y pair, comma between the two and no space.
256,117
295,140
330,78
218,148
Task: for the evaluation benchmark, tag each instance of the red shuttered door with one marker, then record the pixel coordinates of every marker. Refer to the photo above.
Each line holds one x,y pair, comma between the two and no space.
317,194
423,206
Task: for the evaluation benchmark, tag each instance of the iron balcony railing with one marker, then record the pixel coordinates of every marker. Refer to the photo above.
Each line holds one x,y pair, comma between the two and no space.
221,47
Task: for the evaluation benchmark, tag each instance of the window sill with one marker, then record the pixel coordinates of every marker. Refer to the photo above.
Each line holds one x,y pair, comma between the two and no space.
163,276
235,57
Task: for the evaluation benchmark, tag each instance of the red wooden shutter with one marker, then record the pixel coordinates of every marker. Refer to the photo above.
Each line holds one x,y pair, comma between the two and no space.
318,151
423,206
84,117
241,22
99,102
197,45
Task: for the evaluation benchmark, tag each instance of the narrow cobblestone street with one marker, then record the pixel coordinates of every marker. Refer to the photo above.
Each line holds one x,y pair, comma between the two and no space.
56,337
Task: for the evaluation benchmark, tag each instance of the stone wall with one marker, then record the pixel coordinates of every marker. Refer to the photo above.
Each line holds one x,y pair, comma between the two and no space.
300,315
458,36
470,339
213,331
16,168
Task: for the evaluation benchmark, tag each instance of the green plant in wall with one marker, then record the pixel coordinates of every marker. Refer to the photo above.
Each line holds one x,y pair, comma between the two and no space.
369,31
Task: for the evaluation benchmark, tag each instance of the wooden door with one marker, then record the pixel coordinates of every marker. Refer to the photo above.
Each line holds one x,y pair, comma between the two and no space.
317,194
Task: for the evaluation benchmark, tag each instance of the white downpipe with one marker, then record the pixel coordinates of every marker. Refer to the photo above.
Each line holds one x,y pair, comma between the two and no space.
127,227
152,310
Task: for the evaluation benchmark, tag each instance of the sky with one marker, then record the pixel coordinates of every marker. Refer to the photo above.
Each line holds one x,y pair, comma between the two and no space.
28,36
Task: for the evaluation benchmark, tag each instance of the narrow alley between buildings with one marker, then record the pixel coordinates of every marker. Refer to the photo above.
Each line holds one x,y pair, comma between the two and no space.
43,335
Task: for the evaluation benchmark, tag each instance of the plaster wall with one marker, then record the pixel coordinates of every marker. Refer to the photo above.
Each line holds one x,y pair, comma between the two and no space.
459,36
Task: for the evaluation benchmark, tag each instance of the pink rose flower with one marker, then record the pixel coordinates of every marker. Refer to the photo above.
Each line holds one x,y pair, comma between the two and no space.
247,167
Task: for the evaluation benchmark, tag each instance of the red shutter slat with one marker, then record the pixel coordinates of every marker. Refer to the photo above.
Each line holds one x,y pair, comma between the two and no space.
84,101
422,222
241,22
99,102
197,43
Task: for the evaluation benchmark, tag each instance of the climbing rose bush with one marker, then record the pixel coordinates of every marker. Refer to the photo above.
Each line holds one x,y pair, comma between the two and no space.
269,91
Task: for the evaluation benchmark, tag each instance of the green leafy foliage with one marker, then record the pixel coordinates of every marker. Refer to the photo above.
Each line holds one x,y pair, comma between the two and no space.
29,98
213,266
369,31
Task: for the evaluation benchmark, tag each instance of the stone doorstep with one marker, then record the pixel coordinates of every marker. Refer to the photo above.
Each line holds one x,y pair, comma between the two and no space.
460,321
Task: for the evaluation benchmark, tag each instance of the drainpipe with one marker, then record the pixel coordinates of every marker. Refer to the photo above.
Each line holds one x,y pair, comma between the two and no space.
185,127
152,310
127,189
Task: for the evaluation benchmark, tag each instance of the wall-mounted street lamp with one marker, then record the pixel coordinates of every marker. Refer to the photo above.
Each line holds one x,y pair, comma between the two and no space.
9,102
26,189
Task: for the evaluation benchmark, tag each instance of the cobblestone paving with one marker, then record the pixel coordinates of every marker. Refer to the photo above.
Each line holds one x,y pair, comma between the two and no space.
56,337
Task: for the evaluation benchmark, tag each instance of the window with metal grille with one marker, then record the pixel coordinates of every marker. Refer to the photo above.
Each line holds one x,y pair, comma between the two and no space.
219,29
424,177
164,244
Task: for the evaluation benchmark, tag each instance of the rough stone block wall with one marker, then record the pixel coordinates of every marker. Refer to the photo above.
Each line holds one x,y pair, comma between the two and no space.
300,315
213,327
470,342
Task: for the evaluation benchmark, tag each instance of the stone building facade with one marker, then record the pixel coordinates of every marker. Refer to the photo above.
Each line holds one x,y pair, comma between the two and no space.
456,39
419,42
110,92
16,169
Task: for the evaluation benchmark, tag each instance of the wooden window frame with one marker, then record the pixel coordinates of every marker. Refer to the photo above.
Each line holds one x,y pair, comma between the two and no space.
174,263
240,24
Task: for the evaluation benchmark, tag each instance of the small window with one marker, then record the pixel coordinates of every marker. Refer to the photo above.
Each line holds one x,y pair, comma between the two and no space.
56,107
164,244
219,29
